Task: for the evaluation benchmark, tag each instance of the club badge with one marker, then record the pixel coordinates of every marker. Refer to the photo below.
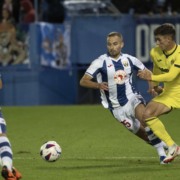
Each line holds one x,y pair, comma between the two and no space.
125,63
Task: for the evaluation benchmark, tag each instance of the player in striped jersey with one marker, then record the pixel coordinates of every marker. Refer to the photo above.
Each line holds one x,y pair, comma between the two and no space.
8,172
114,78
166,69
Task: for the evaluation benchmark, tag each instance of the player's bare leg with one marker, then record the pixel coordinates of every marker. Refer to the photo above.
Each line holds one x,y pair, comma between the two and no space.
155,141
140,108
150,116
142,134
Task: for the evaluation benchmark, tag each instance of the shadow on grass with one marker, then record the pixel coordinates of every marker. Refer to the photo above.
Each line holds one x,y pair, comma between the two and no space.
118,166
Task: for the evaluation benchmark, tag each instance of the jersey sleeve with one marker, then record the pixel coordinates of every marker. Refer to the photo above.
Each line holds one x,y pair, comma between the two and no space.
174,71
177,62
94,68
138,65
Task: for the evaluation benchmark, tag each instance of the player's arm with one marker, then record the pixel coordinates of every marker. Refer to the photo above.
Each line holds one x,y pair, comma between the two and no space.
86,81
158,89
0,83
174,71
151,84
146,75
91,72
138,65
151,90
157,71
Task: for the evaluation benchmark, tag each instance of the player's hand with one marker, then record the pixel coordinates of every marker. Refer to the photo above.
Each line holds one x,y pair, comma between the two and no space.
145,75
152,92
159,89
102,91
103,86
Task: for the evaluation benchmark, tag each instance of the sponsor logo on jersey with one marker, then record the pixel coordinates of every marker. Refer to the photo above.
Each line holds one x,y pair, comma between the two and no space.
110,65
159,60
120,76
164,70
125,63
172,62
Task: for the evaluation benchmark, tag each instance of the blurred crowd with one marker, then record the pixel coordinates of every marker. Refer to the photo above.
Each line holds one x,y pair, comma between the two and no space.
13,13
13,47
23,11
150,7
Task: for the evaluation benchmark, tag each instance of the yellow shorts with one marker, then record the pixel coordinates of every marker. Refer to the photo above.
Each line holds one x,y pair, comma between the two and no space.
167,100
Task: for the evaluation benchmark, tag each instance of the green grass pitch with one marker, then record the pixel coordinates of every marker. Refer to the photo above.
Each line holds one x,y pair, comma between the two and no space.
94,145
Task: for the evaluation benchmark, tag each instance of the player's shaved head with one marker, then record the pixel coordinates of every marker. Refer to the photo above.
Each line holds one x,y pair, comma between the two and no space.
115,34
166,29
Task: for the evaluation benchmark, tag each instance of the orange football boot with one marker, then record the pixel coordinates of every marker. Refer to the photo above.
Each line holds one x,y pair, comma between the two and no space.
16,173
7,174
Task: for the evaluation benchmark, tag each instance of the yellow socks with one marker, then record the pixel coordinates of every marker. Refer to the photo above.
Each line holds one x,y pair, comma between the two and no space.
159,130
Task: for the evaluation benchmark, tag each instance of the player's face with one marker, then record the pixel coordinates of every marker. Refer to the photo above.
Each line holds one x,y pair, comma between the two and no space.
114,45
163,42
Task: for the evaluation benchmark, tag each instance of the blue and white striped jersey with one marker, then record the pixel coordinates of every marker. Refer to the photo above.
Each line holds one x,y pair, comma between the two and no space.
118,75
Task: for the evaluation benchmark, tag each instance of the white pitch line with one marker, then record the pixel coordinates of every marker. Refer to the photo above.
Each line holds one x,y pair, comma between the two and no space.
90,158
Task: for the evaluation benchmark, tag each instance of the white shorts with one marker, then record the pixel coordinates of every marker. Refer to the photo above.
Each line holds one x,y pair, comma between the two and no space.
126,114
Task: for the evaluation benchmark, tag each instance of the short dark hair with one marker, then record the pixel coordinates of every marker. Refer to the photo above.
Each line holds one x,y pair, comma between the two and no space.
165,29
115,34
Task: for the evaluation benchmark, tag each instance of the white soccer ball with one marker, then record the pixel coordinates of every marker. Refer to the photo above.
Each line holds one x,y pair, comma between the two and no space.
50,151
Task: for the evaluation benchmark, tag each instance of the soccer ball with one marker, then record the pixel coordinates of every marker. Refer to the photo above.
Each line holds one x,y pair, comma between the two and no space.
50,151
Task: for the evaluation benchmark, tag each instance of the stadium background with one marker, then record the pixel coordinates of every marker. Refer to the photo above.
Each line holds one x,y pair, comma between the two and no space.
42,103
35,84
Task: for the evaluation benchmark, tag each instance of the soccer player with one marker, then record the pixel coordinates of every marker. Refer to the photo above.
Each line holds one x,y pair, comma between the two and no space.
166,68
114,78
8,172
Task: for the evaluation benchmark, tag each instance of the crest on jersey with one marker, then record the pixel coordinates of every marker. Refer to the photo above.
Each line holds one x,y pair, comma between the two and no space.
172,62
120,77
125,63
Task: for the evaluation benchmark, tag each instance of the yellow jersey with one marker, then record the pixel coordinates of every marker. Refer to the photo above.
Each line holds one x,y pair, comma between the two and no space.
166,69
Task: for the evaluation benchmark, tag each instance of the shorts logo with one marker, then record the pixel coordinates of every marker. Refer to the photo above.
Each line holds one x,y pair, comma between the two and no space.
125,63
120,76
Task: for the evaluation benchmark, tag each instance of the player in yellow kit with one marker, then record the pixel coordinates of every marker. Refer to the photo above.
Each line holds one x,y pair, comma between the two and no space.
166,69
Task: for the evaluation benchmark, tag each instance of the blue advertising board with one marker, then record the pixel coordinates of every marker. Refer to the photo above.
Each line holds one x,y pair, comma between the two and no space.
145,39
